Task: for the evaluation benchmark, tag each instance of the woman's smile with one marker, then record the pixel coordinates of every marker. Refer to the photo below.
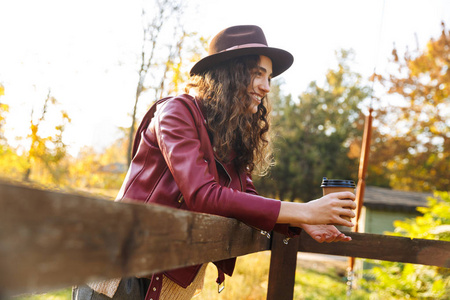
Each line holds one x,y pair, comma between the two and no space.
260,85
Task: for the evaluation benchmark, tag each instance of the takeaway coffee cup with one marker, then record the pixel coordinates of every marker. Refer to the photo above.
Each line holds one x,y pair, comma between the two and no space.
337,185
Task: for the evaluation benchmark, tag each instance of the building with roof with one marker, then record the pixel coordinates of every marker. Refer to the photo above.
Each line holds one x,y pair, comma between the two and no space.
383,206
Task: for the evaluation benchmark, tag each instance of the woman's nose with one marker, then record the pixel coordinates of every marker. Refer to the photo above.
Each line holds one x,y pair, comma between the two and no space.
265,86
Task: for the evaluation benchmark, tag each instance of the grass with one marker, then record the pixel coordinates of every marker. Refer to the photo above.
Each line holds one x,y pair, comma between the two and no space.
310,284
58,295
250,281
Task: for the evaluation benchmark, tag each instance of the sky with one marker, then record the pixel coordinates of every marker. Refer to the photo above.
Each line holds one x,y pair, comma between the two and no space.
86,51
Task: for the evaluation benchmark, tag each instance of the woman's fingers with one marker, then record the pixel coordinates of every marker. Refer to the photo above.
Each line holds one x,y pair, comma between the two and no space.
318,238
325,233
345,211
344,222
338,238
343,238
346,207
345,195
348,204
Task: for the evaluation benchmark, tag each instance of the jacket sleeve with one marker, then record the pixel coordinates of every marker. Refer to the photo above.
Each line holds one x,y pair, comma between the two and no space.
285,229
178,137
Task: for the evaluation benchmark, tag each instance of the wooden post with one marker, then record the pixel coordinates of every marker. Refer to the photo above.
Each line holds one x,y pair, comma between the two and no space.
283,262
363,162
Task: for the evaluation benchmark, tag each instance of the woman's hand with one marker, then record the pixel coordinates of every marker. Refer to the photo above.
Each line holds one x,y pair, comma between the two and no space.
325,233
330,209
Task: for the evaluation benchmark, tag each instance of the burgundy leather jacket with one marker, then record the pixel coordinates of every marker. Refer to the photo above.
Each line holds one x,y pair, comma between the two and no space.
174,164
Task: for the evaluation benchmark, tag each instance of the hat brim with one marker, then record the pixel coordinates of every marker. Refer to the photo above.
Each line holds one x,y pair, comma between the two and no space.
281,59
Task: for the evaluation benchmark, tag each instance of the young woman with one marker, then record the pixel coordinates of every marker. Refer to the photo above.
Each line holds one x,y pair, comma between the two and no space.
198,152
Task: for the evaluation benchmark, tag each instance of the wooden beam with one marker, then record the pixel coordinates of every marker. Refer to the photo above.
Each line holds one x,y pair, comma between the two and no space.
283,262
383,247
51,240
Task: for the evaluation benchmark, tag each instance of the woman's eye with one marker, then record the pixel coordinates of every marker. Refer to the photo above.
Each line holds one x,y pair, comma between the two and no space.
257,72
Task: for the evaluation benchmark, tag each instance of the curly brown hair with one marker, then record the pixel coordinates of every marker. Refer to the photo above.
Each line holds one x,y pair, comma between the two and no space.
222,91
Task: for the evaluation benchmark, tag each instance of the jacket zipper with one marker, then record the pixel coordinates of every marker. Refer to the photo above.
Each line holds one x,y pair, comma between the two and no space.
240,181
229,177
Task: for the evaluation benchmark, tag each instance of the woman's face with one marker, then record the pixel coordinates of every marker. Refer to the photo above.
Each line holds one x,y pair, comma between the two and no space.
260,84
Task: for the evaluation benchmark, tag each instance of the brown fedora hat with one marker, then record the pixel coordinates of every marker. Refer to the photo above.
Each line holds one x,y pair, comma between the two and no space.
242,40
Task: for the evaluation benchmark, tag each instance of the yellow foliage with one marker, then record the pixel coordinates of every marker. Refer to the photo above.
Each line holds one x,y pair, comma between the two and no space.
12,166
354,149
4,108
411,145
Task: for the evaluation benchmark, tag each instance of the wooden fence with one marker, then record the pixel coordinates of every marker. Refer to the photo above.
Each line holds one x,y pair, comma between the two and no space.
51,240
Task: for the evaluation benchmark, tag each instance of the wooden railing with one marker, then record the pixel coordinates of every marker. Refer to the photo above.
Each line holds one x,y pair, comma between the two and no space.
51,240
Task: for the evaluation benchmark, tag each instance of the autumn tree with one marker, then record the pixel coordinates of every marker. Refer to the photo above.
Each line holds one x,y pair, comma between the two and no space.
313,136
46,148
168,50
161,31
412,143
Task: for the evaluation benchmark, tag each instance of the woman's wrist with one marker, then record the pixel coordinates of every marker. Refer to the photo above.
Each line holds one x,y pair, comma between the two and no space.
293,213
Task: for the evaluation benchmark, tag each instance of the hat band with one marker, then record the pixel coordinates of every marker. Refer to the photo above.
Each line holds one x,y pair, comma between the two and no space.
245,46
